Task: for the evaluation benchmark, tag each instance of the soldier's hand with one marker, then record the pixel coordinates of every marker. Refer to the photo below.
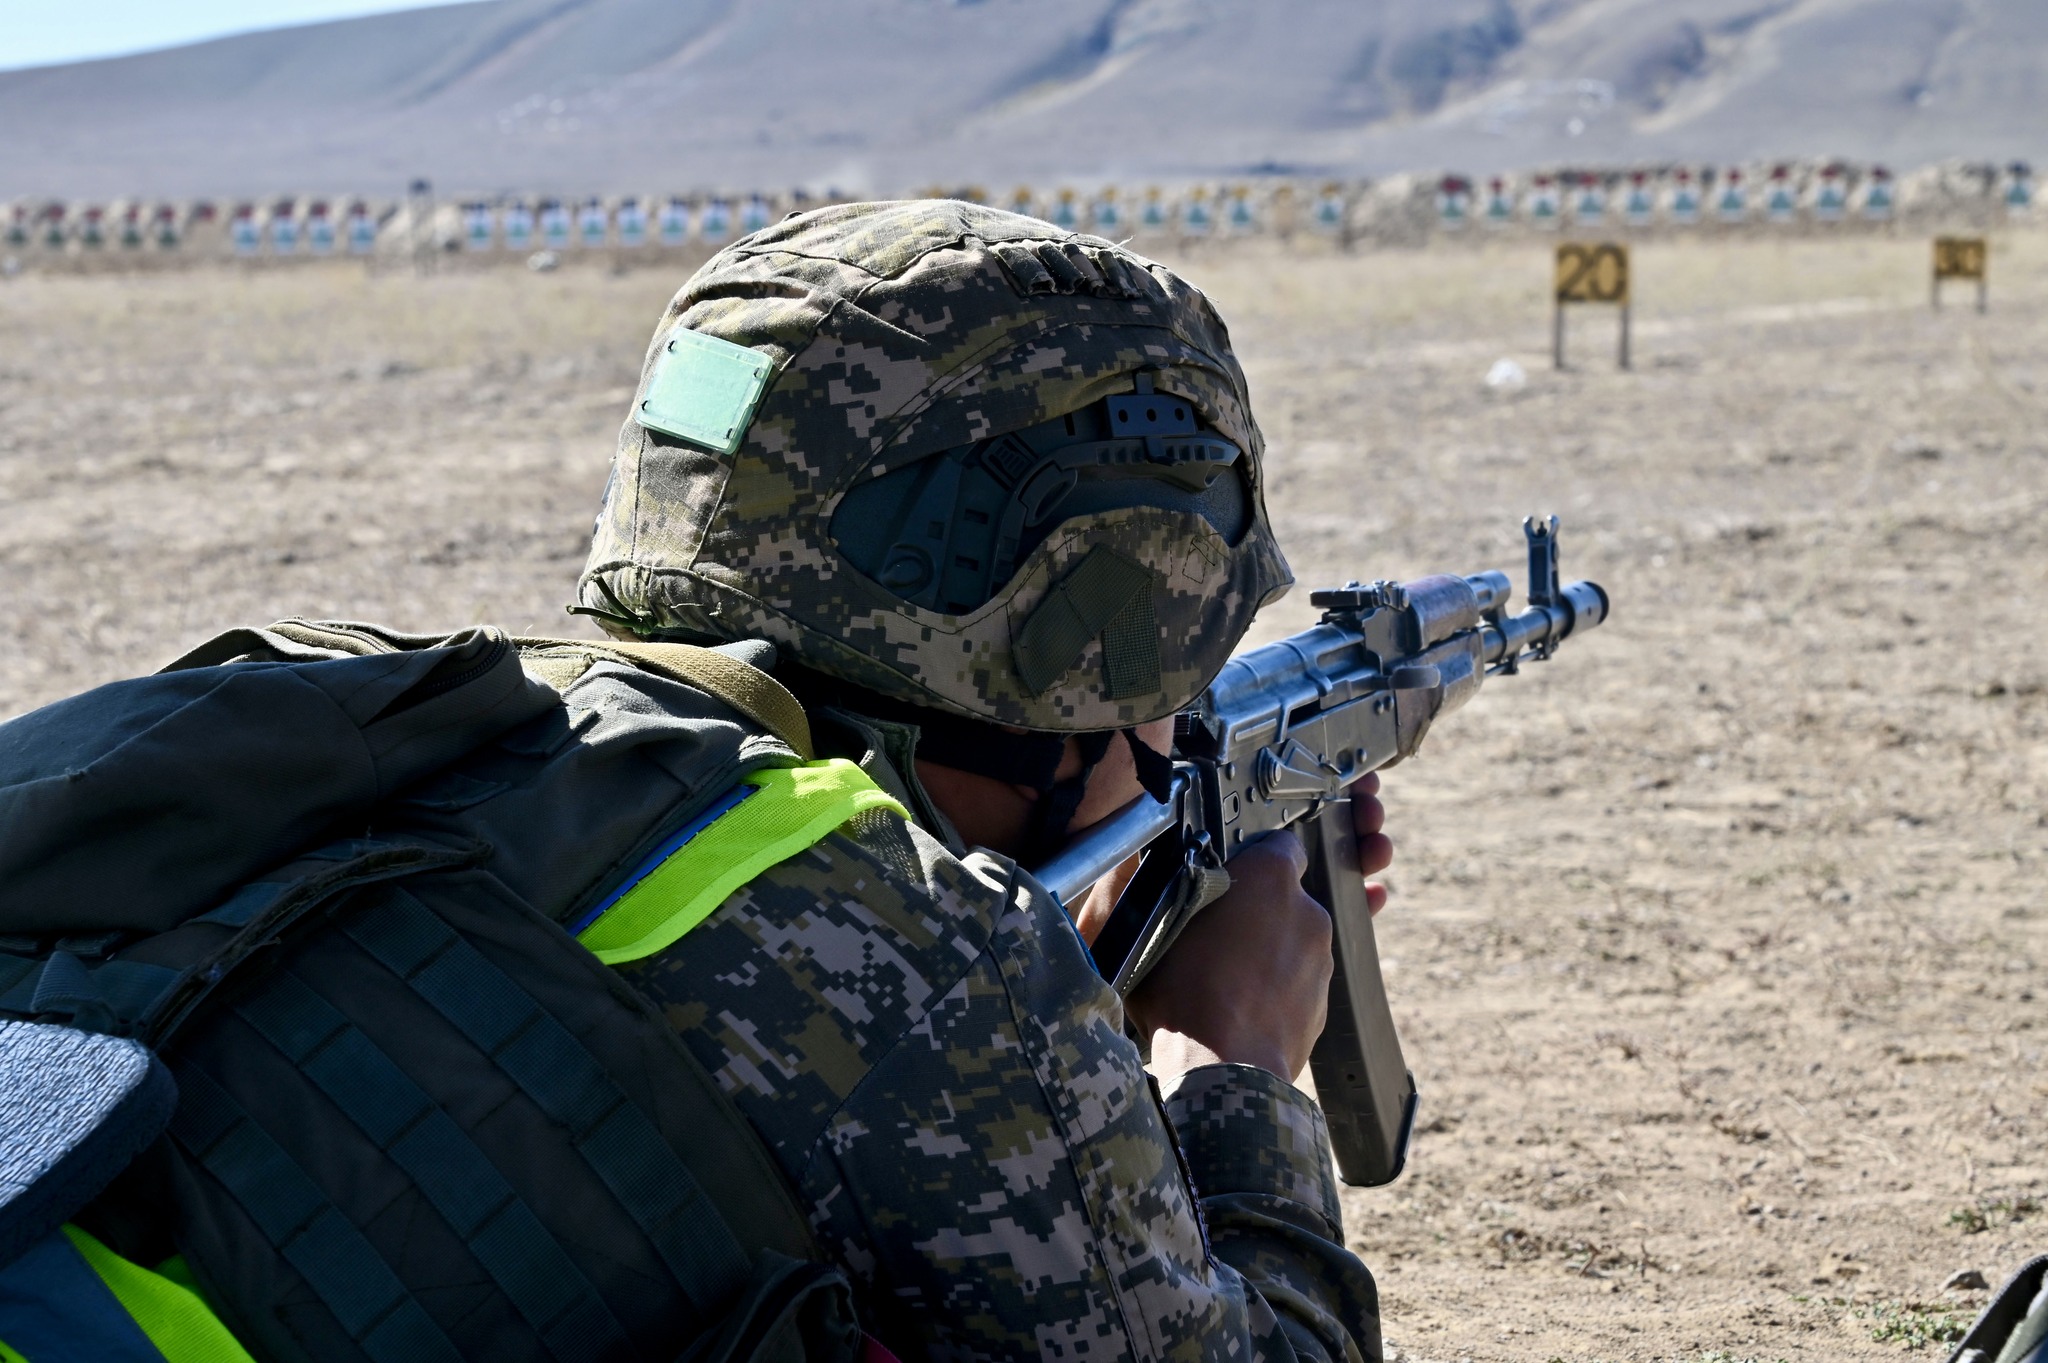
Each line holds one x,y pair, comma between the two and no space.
1249,979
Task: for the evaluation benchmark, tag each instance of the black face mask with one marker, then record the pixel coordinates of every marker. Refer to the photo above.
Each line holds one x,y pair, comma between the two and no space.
1021,759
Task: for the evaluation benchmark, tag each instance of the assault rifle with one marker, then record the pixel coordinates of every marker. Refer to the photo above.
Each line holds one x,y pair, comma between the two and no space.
1274,742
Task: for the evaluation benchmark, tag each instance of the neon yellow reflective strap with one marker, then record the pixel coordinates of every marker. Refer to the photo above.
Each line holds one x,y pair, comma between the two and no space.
183,1328
791,808
178,1271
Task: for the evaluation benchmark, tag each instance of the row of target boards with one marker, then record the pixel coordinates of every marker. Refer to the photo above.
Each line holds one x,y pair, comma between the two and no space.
676,221
315,227
1684,202
556,227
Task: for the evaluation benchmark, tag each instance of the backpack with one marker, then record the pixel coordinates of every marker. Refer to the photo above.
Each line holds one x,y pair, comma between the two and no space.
312,880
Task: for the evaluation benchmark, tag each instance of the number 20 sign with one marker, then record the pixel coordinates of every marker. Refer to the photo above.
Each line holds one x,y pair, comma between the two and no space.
1590,273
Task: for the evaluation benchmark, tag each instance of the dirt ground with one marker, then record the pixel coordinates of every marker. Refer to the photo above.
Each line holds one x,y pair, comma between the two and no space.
1715,942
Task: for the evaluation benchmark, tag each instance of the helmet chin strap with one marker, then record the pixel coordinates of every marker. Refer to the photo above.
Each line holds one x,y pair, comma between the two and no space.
1019,759
1058,801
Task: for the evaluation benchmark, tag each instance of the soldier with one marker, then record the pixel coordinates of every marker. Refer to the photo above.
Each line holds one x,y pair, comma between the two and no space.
993,492
931,516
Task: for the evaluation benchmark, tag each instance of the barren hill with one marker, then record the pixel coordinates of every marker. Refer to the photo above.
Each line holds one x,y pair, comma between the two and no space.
881,95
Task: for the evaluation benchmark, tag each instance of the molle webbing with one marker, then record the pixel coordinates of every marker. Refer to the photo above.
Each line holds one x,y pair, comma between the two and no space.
525,1261
616,1139
341,1267
150,1000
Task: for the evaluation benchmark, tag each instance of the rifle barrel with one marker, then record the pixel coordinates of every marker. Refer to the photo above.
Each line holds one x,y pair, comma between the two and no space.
1580,606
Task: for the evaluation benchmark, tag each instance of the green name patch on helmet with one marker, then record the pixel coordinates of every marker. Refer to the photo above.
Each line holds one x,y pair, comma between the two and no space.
704,390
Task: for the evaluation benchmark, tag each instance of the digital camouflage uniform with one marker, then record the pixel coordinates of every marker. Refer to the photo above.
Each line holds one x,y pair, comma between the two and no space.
916,1031
921,1040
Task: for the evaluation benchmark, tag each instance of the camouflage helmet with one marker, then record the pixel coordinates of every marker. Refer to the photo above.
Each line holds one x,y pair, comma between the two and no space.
845,345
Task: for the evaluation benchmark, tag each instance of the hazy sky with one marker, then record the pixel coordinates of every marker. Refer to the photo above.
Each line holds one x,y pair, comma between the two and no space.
38,32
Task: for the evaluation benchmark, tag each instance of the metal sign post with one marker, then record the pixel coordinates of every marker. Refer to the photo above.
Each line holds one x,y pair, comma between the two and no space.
1596,273
1961,258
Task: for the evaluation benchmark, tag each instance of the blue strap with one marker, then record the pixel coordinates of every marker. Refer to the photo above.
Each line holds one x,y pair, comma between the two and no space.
55,1309
720,807
527,1263
616,1139
341,1267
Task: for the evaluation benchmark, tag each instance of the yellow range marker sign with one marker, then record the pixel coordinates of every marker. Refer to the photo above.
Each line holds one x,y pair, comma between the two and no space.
1960,257
1592,273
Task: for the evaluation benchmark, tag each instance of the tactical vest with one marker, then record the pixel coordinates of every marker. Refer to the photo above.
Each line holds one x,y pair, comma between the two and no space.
418,1115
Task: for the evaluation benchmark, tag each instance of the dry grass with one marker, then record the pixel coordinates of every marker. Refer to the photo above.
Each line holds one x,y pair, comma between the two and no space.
1715,943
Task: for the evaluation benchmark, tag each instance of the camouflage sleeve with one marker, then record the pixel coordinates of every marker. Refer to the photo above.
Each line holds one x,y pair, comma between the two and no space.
923,1044
1259,1158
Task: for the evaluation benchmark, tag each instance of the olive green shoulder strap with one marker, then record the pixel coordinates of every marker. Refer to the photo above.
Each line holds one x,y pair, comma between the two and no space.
745,688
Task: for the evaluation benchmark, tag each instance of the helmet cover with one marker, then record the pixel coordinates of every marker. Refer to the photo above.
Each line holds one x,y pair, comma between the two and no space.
894,333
